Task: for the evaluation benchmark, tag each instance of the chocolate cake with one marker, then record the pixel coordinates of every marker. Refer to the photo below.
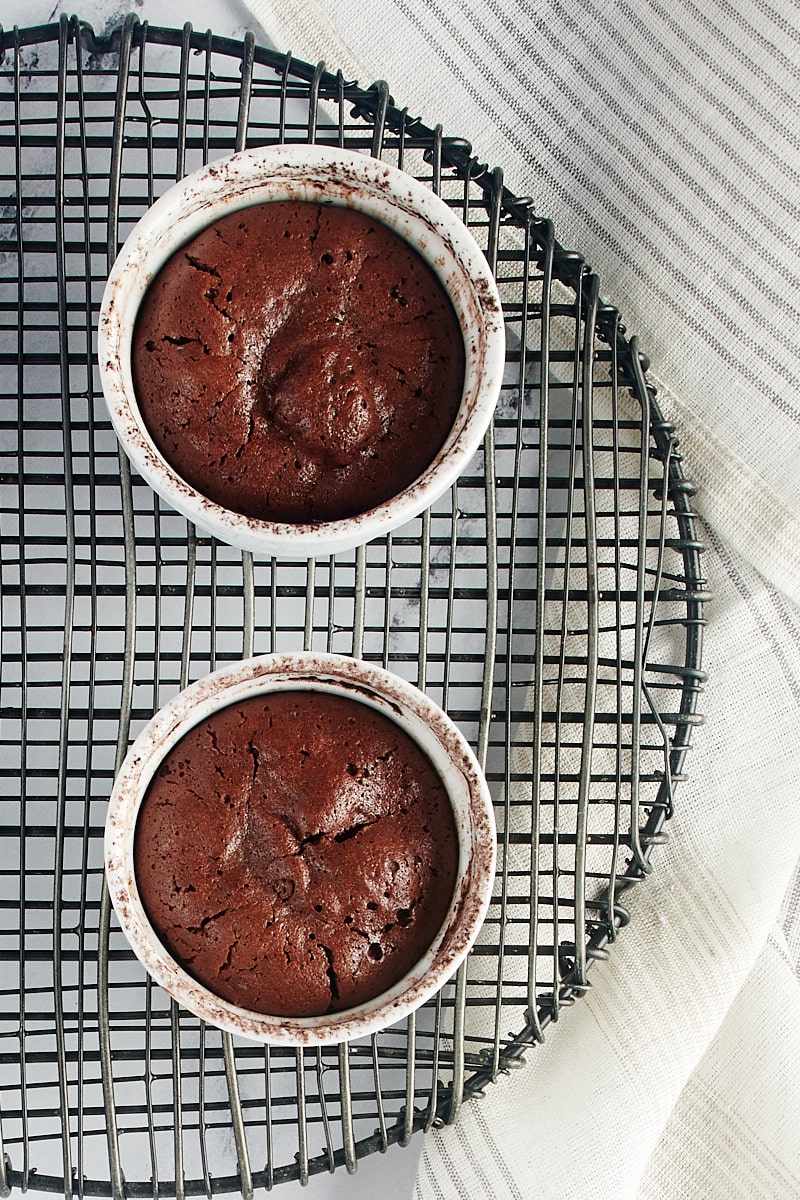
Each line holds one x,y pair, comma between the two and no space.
298,362
296,853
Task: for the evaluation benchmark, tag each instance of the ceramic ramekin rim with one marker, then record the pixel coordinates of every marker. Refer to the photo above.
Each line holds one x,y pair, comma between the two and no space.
453,759
331,175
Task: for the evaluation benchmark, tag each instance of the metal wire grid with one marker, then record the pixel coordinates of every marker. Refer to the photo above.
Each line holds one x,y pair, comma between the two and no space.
552,603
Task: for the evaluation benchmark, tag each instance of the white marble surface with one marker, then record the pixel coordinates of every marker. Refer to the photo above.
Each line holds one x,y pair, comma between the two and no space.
228,18
390,1175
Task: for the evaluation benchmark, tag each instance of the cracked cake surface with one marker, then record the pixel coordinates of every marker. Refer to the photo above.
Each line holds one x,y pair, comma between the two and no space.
298,362
296,853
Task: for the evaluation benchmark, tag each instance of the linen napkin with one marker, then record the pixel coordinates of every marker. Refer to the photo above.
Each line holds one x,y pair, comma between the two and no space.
663,141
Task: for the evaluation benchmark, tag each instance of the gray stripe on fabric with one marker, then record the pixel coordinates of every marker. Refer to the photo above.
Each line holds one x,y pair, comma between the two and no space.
631,193
544,28
755,348
432,1180
719,246
719,37
782,950
648,34
476,1161
498,1158
677,166
758,34
765,628
740,302
455,1180
778,20
734,82
790,921
743,130
787,616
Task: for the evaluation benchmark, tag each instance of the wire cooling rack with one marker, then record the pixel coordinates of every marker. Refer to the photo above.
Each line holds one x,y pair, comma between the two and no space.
552,603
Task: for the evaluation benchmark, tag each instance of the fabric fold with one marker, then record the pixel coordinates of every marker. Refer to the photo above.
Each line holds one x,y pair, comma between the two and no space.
737,1114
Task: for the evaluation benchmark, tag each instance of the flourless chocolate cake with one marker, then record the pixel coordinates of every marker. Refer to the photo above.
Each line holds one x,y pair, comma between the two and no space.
298,362
296,853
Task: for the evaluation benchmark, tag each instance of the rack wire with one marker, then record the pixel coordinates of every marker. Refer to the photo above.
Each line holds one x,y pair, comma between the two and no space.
552,602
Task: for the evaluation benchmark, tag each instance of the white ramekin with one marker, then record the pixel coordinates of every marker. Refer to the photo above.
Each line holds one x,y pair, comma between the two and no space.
329,176
431,729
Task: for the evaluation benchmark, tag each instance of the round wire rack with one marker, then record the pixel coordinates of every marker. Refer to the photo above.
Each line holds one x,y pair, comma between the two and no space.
552,603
